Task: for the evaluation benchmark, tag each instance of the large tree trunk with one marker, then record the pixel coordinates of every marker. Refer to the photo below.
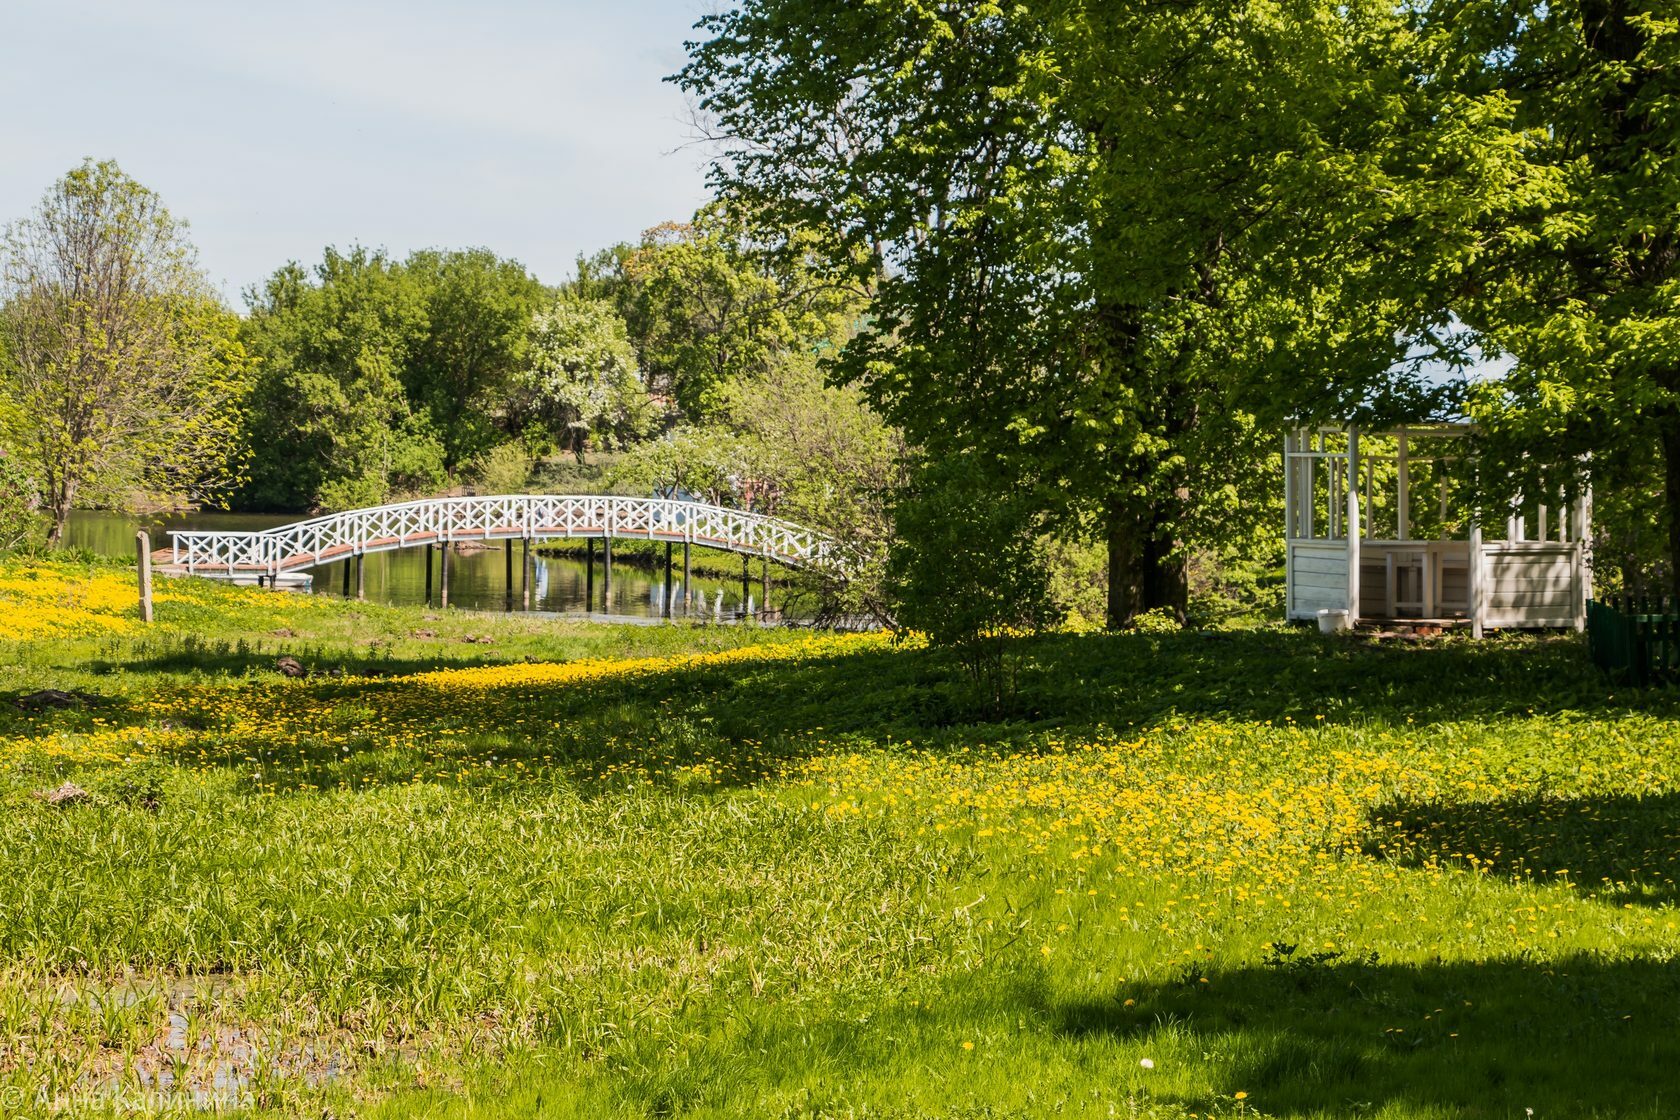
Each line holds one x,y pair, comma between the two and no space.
1146,565
1166,582
1125,584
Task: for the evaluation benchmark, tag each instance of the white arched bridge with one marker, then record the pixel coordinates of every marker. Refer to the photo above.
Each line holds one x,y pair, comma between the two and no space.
268,555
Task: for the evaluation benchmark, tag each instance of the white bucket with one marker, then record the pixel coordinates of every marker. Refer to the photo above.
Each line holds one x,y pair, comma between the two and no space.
1334,620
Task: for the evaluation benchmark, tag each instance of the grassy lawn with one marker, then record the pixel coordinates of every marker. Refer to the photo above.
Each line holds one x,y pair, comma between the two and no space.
714,872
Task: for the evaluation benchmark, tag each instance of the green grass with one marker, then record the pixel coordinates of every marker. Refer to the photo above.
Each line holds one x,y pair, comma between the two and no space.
825,880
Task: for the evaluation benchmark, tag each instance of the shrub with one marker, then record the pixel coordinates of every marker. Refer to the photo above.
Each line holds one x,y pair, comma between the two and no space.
505,469
20,501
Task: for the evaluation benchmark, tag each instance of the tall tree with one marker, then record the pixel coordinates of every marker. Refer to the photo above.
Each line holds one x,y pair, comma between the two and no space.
1079,216
580,381
331,427
459,370
122,369
1585,290
706,307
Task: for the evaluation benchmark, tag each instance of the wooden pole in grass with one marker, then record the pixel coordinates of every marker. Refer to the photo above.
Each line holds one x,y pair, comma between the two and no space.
143,542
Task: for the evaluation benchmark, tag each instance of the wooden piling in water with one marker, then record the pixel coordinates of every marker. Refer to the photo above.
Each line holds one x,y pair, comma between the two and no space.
667,611
606,575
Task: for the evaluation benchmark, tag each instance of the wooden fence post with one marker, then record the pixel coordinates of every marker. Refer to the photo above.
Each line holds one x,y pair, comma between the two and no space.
143,542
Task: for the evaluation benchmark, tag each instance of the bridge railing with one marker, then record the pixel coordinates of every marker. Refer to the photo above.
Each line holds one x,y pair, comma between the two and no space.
318,540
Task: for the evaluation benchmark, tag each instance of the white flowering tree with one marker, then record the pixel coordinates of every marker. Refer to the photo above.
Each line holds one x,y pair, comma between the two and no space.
581,380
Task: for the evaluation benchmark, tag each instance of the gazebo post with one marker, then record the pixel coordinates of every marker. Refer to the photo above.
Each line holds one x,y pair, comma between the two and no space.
1475,578
1352,525
1288,522
1403,495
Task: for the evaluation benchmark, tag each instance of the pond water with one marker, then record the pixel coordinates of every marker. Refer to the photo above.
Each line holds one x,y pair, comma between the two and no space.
477,578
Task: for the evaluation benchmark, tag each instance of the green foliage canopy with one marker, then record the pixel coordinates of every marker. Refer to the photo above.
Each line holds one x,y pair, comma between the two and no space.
331,427
1104,238
460,369
1584,290
581,377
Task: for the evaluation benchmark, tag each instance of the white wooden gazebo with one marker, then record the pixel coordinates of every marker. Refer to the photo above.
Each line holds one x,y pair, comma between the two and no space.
1378,524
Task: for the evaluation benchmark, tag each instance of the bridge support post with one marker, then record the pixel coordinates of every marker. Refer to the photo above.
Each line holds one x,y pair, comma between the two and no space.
507,569
525,572
430,548
346,577
688,584
589,576
667,611
746,582
361,576
764,585
606,575
443,574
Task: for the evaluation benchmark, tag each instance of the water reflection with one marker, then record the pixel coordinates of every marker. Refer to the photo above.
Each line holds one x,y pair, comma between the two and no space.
477,574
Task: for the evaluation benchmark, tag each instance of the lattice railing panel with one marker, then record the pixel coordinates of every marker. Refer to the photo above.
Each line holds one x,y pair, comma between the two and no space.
535,517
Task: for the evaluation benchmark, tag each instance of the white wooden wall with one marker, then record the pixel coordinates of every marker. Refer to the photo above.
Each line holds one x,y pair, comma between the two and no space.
1318,577
1532,584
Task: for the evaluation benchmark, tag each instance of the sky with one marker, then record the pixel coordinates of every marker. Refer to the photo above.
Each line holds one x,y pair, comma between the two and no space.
537,129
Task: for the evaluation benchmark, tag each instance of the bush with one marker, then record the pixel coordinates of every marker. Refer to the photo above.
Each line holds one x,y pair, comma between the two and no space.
20,502
969,569
505,469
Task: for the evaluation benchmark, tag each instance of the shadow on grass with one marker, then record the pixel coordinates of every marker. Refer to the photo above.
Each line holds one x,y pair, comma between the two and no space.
1323,1036
223,658
1130,680
1623,849
745,719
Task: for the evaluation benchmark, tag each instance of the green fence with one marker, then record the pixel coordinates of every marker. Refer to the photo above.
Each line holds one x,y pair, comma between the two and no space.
1635,637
